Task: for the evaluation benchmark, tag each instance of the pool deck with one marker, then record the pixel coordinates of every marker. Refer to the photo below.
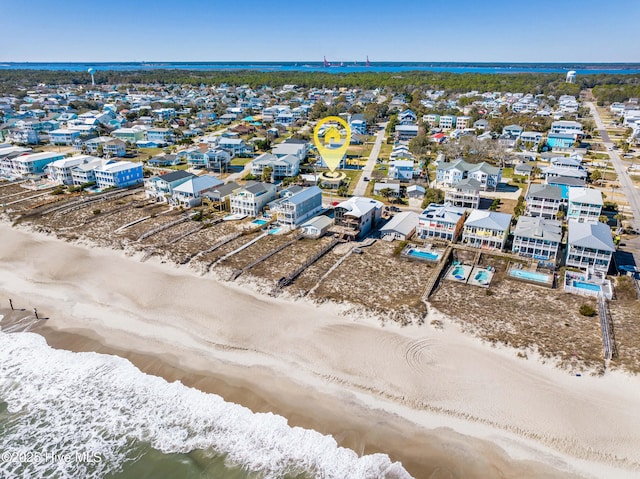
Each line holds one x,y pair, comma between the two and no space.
483,284
548,283
409,247
467,272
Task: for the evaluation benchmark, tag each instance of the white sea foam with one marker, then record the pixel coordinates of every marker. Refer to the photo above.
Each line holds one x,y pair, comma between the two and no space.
87,403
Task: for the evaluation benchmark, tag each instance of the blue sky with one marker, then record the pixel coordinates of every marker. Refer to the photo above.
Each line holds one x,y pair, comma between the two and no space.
409,30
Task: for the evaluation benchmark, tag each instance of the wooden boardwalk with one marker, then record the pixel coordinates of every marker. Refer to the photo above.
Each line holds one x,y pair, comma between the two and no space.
291,277
606,328
237,272
437,274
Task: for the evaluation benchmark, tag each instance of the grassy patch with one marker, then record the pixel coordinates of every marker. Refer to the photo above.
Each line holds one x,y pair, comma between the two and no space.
240,161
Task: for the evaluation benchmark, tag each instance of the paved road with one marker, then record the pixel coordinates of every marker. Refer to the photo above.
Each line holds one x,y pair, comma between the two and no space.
236,176
361,187
630,191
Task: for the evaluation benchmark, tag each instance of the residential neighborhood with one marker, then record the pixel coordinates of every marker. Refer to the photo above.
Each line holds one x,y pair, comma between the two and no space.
505,173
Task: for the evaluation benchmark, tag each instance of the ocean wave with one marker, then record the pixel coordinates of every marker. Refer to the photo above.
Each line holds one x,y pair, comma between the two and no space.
95,406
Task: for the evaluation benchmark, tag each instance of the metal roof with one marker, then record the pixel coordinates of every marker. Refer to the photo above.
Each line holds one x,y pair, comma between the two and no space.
590,235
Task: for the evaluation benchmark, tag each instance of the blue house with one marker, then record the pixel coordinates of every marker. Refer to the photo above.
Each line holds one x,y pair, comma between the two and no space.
560,140
119,174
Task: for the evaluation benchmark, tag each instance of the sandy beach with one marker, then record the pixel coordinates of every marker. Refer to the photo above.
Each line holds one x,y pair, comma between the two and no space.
440,401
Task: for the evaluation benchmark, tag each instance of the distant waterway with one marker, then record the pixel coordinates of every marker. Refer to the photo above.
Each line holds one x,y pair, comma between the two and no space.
339,67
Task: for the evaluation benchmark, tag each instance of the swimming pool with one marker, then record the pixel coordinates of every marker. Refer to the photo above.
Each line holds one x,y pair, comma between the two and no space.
459,272
482,277
274,231
428,255
259,222
529,275
587,286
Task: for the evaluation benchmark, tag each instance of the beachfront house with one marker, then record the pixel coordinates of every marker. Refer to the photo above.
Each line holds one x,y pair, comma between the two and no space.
252,198
544,201
189,193
465,194
589,245
33,164
486,229
297,206
585,204
441,222
355,217
86,172
118,174
316,227
160,188
401,227
538,238
61,171
219,196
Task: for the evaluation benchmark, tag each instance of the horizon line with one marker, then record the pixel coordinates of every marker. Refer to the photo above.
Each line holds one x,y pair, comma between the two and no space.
556,62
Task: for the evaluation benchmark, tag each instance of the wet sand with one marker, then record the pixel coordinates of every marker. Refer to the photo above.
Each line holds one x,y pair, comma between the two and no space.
440,402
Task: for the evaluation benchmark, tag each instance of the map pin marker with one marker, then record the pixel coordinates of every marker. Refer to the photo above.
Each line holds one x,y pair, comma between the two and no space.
332,147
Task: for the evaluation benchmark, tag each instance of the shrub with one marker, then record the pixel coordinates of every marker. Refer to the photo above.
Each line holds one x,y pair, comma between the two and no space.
97,211
586,310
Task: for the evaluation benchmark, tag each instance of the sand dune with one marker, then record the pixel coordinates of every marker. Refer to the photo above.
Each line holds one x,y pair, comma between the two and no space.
436,399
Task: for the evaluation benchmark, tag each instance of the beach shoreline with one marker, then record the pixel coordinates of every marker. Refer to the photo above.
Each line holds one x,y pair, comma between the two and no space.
238,340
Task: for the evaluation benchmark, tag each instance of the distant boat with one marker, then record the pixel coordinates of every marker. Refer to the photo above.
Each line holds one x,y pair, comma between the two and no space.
368,63
326,64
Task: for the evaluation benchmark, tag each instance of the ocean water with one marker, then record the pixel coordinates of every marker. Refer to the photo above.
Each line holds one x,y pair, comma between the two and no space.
73,415
348,67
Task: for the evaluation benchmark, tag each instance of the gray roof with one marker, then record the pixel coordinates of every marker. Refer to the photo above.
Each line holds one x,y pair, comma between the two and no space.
491,220
548,192
403,223
222,191
319,222
539,228
590,235
176,175
256,187
565,180
468,184
566,172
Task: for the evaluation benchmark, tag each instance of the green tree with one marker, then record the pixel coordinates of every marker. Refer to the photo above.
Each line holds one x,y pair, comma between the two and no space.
391,125
267,171
495,204
432,195
386,193
595,176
